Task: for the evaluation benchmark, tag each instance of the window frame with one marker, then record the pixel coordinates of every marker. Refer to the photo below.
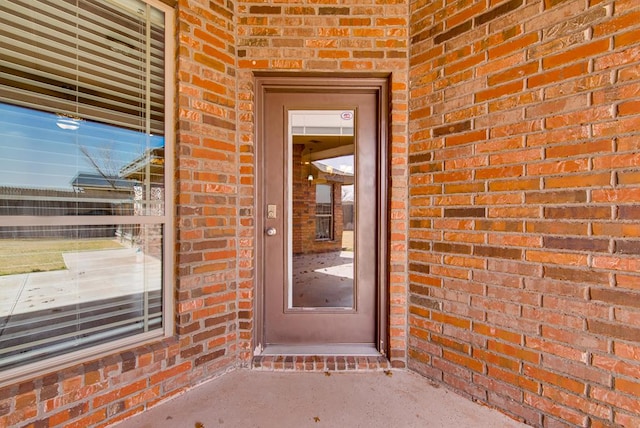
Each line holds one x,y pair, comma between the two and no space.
330,216
52,364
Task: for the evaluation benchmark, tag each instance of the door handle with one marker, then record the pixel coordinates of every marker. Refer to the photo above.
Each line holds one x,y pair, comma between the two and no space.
270,231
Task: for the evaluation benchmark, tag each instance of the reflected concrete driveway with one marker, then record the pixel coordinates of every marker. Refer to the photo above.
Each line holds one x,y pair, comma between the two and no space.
90,275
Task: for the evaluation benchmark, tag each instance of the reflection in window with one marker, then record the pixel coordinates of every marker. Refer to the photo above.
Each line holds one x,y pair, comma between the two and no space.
324,212
82,152
321,212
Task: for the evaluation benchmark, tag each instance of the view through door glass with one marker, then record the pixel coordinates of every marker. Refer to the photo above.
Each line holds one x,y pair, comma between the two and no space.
322,209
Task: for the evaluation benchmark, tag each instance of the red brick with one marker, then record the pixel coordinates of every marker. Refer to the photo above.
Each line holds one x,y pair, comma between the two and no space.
560,380
578,369
557,75
617,58
626,420
627,351
90,420
498,91
575,54
25,401
558,167
627,39
613,398
562,135
622,196
518,72
491,331
517,100
616,263
616,24
562,151
590,115
556,258
513,45
615,365
465,64
616,229
511,378
628,281
553,348
629,108
569,181
465,14
119,393
463,360
577,401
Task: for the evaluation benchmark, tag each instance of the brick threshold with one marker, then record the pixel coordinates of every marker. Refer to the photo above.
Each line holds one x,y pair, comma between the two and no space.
320,363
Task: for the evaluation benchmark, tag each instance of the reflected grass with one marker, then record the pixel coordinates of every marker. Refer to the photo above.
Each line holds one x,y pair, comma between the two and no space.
37,255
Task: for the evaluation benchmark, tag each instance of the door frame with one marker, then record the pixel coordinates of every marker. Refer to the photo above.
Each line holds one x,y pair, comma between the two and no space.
378,84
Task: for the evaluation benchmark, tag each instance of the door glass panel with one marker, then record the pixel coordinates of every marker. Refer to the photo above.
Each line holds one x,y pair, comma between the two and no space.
321,209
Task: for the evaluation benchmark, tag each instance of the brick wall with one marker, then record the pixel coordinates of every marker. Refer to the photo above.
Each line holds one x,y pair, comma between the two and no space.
524,190
207,187
325,36
109,389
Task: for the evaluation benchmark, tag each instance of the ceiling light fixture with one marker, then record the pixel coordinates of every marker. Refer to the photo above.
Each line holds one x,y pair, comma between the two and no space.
68,123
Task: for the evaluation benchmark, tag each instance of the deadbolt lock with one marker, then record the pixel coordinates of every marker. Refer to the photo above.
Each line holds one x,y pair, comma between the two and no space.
272,211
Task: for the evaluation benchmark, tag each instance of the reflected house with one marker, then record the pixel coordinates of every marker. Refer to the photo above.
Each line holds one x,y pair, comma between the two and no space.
322,159
102,186
318,206
348,209
147,171
148,165
98,188
92,194
322,207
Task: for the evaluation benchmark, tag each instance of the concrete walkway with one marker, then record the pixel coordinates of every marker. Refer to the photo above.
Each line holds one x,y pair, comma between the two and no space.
323,280
245,398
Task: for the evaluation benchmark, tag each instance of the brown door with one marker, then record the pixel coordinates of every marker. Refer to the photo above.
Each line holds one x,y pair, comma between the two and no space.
321,213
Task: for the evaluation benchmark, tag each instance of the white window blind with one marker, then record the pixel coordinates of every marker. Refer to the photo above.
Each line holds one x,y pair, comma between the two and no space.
87,59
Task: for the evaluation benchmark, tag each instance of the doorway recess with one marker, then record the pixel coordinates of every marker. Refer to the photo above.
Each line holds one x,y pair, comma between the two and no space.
321,151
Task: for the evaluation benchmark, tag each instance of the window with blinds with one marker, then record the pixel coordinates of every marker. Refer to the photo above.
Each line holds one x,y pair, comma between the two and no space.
85,225
324,212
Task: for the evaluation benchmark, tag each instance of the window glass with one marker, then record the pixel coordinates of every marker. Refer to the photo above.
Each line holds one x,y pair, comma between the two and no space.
324,211
82,175
321,212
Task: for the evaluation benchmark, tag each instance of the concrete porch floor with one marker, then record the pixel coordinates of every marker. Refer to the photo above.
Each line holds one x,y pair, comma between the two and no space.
249,398
323,280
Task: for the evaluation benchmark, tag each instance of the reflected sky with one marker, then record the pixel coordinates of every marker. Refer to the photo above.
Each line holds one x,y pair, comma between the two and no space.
341,163
41,150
